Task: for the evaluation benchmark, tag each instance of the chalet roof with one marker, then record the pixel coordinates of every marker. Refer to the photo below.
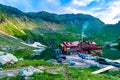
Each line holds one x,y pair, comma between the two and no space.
75,43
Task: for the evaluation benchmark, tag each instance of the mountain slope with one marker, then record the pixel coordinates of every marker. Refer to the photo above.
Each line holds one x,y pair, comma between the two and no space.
46,27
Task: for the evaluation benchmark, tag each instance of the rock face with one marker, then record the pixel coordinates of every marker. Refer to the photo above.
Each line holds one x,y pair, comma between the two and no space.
7,58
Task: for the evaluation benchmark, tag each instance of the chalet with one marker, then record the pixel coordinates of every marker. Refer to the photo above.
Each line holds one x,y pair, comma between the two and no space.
80,46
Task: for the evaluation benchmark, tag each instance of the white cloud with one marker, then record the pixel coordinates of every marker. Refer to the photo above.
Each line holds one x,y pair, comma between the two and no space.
109,14
104,11
81,2
72,10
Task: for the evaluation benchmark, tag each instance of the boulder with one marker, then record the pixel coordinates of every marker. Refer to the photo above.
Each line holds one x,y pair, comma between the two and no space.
7,58
25,72
28,71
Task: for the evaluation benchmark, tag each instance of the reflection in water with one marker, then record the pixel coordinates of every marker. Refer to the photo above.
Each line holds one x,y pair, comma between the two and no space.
111,53
46,54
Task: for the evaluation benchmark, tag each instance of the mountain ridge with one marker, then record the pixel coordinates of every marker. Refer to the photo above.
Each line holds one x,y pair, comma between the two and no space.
41,25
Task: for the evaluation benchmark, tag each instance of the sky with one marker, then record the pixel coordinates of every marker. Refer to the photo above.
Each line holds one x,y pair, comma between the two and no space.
106,10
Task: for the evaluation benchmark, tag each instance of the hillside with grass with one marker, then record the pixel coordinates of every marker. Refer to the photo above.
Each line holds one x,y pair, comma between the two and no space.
45,27
41,25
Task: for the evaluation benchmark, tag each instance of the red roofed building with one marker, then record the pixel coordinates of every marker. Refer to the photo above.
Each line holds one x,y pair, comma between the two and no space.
79,46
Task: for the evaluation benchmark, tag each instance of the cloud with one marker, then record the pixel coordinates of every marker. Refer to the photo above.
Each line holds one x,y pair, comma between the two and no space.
106,10
81,2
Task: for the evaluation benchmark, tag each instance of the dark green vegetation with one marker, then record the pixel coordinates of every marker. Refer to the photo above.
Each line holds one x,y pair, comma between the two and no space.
46,55
118,47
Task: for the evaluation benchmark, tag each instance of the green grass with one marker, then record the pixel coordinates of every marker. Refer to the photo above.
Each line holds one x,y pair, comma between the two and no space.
15,47
23,53
39,76
29,63
113,73
85,74
71,74
47,76
12,78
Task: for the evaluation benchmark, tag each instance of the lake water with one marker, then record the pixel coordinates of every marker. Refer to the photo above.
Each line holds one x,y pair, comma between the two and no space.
111,53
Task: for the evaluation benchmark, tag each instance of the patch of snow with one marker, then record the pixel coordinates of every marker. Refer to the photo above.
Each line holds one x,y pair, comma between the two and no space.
14,37
114,44
35,44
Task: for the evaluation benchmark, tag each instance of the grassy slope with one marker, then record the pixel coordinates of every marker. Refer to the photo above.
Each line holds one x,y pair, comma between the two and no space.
10,41
14,46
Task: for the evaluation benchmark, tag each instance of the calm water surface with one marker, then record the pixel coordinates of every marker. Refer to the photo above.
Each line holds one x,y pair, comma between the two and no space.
111,53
